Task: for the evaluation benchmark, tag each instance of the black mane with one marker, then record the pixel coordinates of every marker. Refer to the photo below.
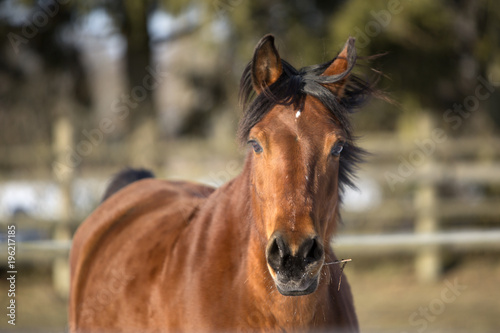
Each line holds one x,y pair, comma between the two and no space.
291,89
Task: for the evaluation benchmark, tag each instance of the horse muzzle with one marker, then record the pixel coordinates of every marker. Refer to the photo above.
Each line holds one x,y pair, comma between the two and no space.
295,274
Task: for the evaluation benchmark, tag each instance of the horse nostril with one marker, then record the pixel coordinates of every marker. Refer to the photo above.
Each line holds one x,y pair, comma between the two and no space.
312,250
277,250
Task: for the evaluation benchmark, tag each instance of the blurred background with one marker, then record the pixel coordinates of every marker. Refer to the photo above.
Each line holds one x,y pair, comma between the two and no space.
89,87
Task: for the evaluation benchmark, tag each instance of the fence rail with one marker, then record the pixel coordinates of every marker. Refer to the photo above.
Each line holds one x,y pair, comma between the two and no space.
461,241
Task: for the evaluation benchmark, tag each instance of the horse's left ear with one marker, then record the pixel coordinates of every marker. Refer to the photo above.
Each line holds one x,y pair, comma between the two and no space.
340,67
266,64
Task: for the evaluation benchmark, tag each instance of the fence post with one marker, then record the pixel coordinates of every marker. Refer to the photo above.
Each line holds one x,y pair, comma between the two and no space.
64,173
428,259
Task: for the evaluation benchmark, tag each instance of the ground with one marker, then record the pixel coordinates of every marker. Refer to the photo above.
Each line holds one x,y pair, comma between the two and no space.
466,299
387,297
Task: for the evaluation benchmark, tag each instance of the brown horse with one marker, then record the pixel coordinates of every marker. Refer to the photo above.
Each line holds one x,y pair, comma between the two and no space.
252,255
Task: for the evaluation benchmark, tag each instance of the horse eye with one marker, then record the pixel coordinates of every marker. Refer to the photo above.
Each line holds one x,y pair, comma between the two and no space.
337,149
256,146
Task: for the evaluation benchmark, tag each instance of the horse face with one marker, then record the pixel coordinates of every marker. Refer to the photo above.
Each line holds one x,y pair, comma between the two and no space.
295,168
295,182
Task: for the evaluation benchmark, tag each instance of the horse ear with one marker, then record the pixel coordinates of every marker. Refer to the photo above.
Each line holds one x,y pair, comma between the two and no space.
266,64
340,67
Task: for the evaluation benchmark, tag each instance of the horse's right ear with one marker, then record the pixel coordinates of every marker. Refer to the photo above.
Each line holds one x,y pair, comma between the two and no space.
266,64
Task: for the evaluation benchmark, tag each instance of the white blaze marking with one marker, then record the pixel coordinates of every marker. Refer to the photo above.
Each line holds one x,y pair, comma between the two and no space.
297,115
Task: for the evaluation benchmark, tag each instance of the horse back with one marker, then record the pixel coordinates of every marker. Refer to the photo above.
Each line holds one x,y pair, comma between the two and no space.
115,252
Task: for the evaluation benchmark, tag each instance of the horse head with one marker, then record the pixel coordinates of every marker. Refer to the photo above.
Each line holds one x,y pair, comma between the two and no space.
303,155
